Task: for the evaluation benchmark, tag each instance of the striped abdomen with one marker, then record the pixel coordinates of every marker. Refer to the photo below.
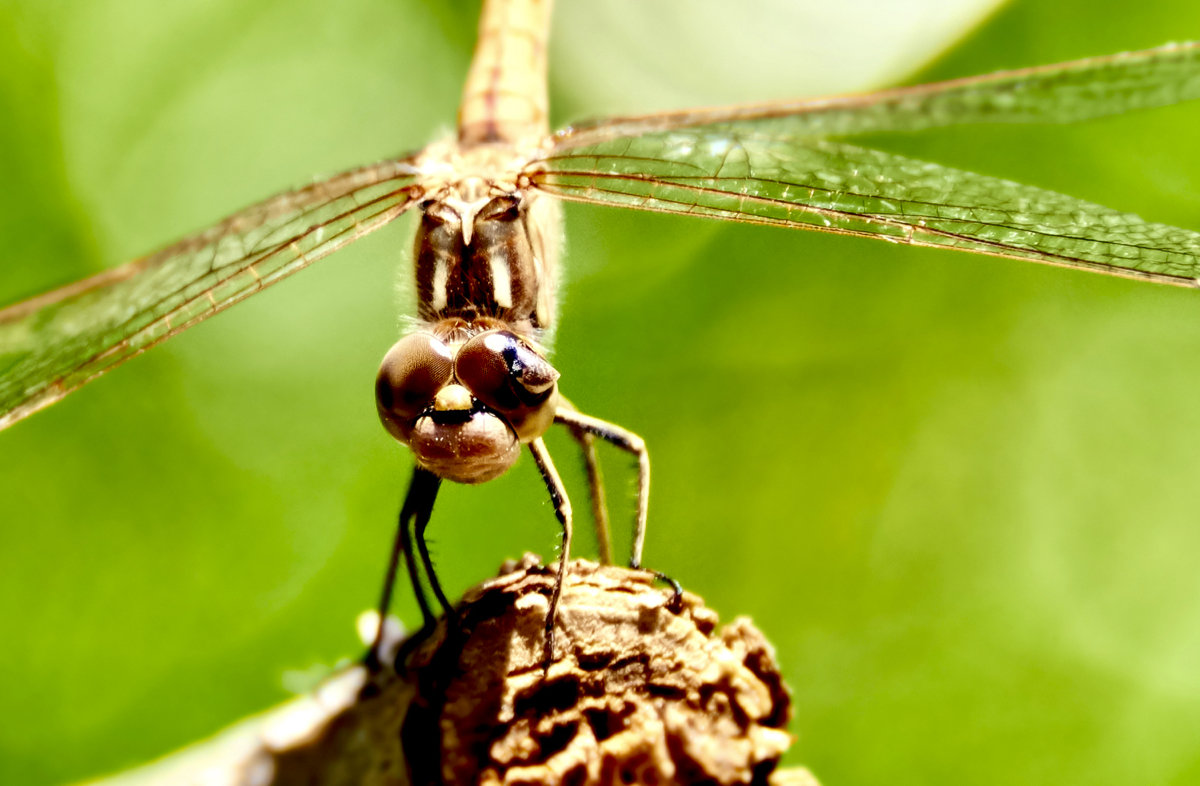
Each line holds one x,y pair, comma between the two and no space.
504,99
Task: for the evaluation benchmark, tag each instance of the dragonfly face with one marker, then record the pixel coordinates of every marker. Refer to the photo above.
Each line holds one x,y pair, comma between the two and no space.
465,396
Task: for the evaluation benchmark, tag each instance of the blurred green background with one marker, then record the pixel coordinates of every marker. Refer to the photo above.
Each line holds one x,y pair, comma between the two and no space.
959,494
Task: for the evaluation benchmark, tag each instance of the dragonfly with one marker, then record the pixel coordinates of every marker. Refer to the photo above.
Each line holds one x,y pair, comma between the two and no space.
471,387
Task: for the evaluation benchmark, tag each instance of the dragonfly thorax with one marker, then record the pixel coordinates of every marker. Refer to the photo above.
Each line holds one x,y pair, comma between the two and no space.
465,396
485,246
485,258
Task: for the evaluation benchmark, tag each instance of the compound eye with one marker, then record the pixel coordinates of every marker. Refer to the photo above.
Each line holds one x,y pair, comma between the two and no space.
504,372
411,374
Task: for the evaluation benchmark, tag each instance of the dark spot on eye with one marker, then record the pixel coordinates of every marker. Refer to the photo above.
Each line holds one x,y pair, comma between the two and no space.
512,357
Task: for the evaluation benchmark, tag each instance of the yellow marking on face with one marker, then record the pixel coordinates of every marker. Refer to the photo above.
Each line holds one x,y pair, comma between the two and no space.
452,398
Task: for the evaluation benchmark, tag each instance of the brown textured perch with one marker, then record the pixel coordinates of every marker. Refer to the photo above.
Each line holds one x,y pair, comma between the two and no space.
638,693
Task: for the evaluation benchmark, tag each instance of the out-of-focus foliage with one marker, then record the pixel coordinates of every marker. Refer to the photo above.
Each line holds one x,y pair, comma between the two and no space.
957,492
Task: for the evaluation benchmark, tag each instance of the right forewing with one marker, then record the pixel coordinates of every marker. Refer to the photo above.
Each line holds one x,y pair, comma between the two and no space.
54,343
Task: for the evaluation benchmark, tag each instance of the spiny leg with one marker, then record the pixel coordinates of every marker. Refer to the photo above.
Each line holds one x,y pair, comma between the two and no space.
430,573
584,426
627,441
429,624
562,509
422,492
418,503
587,444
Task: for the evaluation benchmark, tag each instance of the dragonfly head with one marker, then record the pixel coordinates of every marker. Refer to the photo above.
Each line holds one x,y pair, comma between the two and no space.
465,406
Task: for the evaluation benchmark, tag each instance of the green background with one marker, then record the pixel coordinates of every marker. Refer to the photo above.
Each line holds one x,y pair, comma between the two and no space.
959,494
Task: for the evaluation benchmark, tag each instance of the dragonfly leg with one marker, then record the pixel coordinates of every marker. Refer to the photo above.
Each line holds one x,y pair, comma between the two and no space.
562,509
676,602
631,443
587,444
430,573
418,504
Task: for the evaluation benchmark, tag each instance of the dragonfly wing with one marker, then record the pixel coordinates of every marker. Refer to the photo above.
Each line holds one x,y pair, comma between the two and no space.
1061,93
54,343
835,186
779,164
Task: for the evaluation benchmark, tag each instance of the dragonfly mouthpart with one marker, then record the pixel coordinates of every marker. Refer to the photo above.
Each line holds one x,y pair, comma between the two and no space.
470,445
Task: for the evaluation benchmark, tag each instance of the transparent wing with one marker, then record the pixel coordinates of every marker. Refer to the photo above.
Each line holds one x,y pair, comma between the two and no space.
774,164
1061,93
839,187
54,343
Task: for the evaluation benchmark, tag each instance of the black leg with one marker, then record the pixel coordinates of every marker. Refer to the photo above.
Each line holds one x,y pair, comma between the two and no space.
676,602
418,503
430,573
562,509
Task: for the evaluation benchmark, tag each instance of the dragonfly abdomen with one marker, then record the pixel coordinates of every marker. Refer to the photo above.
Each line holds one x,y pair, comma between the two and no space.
504,99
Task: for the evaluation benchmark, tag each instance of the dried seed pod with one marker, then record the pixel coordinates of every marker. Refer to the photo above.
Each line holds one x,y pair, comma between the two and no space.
641,690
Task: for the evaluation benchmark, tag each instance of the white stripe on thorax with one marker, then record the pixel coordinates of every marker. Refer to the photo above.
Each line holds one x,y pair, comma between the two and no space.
441,276
501,282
